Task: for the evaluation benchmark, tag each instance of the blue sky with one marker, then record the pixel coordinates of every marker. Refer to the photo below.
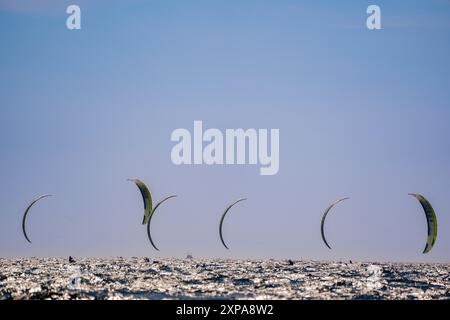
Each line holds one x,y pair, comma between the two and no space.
361,113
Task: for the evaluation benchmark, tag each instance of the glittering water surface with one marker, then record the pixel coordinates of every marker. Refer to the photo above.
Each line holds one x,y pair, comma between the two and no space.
141,278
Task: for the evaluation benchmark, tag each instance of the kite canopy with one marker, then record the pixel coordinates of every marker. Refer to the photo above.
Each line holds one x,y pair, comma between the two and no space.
324,217
223,217
146,197
431,221
150,219
26,214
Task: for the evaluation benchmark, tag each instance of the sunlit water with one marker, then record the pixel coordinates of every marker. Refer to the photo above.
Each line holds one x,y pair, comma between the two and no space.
139,278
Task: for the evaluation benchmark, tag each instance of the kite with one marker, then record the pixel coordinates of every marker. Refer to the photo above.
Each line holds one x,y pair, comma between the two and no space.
324,217
24,219
431,221
223,217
